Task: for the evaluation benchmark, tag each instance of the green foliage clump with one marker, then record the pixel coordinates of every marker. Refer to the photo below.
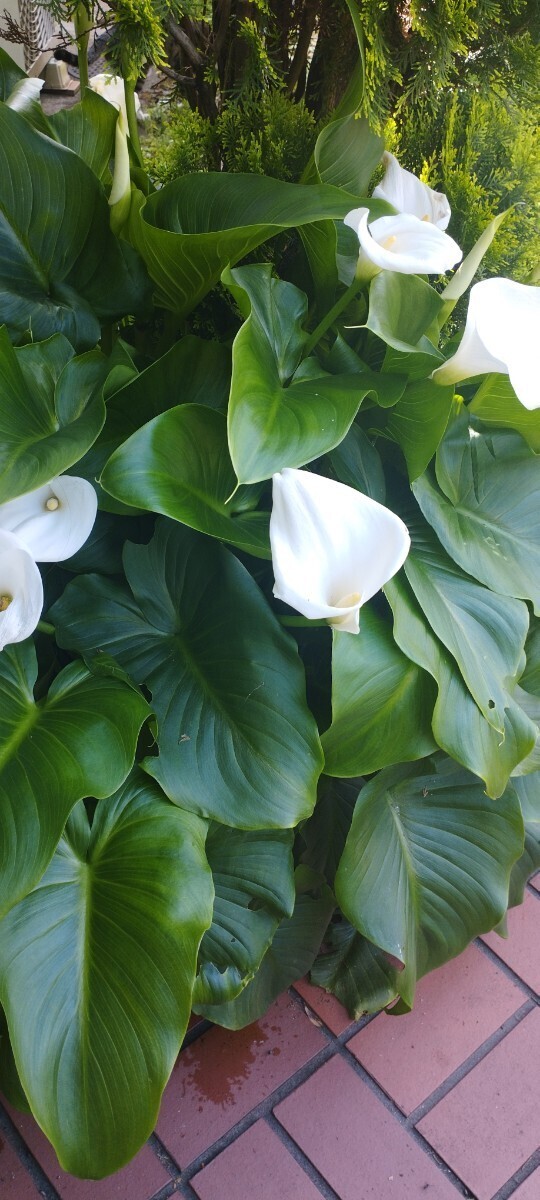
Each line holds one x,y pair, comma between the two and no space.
483,152
176,142
267,135
413,50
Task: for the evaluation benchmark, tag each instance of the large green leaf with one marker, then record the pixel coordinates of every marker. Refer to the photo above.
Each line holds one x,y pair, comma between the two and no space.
179,465
357,463
10,74
253,877
51,410
10,1084
66,273
418,422
79,741
290,955
530,679
387,387
528,793
88,128
402,308
194,227
458,724
325,833
236,739
275,420
96,971
415,364
531,706
497,404
484,632
427,864
381,703
347,152
193,371
485,510
354,970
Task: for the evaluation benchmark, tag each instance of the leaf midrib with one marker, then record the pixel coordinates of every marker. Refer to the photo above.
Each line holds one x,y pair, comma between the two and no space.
10,745
392,803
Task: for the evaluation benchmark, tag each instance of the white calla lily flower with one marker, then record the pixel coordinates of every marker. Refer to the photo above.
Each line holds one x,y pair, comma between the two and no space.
332,547
21,591
408,194
111,87
54,521
402,243
120,194
501,334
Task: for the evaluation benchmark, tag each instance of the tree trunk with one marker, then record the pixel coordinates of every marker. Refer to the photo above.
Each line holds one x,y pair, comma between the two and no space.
334,58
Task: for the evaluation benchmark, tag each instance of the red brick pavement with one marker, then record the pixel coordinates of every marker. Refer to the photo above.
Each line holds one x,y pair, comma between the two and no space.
307,1104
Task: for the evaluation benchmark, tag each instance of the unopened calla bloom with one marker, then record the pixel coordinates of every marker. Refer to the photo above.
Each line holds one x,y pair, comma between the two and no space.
402,243
21,591
54,521
408,194
120,194
111,87
501,334
332,547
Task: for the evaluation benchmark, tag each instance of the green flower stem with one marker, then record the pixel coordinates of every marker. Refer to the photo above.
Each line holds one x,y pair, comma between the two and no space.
46,627
304,622
331,316
133,129
83,24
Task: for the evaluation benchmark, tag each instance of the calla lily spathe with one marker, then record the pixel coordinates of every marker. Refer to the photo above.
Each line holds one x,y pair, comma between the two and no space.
501,334
402,243
408,194
332,547
21,591
111,87
54,520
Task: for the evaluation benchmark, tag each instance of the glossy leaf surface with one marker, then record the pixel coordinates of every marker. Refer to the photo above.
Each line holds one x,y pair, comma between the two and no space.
227,685
427,864
275,420
356,462
485,508
290,955
484,632
458,725
402,308
192,371
179,465
194,227
51,410
528,794
80,741
253,878
381,703
347,152
356,971
496,403
325,833
65,274
88,129
10,74
96,971
418,422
